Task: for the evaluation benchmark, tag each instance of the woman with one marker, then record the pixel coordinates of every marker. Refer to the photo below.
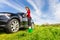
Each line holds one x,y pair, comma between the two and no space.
28,16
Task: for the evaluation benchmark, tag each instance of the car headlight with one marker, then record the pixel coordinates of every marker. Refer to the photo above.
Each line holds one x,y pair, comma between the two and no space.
5,14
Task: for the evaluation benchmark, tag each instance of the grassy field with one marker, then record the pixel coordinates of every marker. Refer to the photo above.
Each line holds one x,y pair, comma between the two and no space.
39,33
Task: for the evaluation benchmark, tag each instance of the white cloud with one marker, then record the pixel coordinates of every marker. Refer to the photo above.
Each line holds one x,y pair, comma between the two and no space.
55,8
1,5
15,6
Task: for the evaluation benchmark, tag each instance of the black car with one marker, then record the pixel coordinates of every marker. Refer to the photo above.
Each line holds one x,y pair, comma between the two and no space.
11,22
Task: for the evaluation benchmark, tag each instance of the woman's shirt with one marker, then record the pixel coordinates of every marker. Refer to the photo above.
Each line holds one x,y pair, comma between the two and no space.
28,14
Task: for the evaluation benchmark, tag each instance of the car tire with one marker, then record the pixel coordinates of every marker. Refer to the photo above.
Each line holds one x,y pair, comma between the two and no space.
12,26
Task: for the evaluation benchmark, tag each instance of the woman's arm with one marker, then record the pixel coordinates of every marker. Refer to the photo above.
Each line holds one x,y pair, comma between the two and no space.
26,14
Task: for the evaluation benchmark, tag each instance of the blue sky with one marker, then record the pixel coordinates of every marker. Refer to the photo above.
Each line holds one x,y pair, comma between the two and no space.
42,11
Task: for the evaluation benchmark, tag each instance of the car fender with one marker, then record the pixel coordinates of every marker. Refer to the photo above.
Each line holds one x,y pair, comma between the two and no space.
14,17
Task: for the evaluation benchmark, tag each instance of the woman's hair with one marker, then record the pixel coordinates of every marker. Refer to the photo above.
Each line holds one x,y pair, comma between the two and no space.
27,7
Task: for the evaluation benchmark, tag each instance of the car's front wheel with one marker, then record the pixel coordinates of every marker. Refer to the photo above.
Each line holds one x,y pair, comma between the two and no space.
12,26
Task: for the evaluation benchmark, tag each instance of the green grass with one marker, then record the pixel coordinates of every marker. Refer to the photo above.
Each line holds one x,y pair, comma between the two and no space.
39,33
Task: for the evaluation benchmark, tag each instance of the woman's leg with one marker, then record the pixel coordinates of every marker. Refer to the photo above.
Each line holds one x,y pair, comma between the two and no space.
29,22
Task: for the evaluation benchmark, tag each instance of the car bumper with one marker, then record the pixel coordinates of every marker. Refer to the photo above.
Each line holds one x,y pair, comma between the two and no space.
3,21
